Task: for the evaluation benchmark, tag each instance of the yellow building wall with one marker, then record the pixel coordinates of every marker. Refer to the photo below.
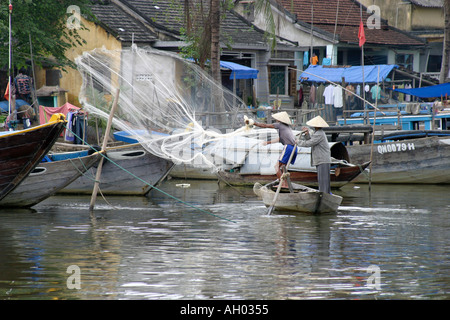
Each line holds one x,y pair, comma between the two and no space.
408,17
427,18
71,80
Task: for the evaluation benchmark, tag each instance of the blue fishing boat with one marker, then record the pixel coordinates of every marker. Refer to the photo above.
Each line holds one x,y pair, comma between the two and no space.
22,151
411,143
55,172
405,116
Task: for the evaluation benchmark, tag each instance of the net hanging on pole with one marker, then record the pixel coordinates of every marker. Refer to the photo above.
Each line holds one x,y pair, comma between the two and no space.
174,105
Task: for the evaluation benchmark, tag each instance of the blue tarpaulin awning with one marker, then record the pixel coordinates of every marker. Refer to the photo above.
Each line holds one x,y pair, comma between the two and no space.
437,91
239,71
352,74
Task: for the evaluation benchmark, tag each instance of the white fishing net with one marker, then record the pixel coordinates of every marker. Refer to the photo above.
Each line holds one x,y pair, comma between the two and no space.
169,104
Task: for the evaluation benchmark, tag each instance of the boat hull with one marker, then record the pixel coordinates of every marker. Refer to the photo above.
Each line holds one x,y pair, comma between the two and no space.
413,161
21,152
309,201
339,176
128,170
48,178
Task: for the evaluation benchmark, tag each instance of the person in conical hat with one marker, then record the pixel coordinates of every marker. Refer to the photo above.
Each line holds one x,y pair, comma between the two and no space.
320,151
285,137
282,117
317,122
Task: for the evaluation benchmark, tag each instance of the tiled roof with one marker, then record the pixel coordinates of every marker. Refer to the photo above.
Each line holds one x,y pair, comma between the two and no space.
169,15
323,14
121,25
429,3
164,14
241,31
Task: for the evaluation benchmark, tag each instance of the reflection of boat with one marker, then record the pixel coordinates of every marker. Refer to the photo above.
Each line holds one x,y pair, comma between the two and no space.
127,170
49,177
303,199
22,150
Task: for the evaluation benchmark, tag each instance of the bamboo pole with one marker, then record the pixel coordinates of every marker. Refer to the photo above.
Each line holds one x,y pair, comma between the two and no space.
373,130
105,142
11,106
366,120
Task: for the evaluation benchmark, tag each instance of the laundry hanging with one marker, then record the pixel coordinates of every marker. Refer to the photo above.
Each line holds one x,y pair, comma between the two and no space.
328,94
79,125
300,96
312,95
45,113
407,96
337,97
376,92
319,94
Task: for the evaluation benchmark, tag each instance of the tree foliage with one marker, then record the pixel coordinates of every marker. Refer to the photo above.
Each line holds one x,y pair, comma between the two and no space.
45,23
197,28
198,21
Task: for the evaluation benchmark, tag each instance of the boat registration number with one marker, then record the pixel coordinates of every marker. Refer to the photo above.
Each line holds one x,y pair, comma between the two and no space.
395,147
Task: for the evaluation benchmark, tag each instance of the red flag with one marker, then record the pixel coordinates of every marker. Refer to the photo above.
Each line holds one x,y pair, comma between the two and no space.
361,35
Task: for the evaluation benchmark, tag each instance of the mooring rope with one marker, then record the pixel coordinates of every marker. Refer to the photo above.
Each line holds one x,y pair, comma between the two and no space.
149,184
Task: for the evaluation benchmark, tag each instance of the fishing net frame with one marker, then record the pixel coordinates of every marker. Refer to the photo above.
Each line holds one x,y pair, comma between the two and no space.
176,108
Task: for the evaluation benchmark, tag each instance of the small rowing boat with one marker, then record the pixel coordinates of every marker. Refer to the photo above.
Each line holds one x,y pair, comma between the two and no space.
301,199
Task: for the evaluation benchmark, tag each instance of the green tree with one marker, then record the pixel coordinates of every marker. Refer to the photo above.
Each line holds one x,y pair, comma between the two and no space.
215,39
202,29
52,26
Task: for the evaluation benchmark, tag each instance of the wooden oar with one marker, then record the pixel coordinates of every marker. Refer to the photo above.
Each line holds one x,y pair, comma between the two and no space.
281,180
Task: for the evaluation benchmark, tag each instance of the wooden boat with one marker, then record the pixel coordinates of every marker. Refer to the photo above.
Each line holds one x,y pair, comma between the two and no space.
50,176
22,150
411,143
340,174
246,167
127,170
415,161
303,199
398,156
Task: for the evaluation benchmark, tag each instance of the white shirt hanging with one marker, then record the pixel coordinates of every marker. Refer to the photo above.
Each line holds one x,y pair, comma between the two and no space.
328,94
407,96
337,97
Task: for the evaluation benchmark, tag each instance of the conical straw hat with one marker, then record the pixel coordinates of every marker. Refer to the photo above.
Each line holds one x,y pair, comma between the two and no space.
282,117
317,122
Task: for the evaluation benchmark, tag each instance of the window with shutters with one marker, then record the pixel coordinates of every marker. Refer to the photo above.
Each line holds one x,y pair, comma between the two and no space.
278,80
292,81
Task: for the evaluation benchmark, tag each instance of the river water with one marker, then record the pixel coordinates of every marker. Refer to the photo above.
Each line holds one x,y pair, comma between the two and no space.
207,241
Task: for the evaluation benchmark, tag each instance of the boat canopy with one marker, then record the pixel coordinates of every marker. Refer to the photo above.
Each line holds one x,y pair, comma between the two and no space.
239,71
353,74
437,91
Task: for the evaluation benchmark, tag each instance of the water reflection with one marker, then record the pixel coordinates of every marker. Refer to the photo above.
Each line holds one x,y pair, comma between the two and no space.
223,245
